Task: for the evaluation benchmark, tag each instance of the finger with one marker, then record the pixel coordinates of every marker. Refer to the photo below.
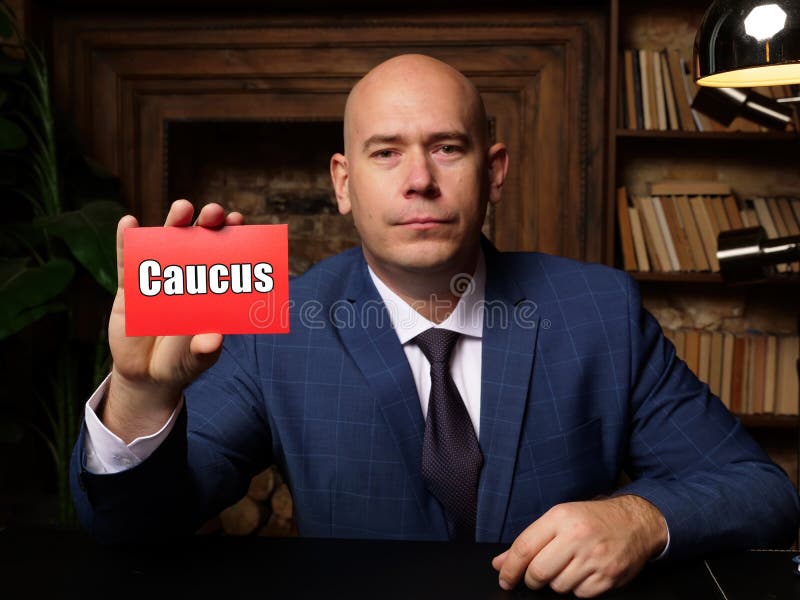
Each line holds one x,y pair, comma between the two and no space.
593,585
211,215
124,223
497,561
548,564
205,343
205,349
180,214
523,550
234,218
571,576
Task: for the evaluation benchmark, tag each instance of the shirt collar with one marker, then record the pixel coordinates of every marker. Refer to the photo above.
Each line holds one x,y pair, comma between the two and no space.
466,319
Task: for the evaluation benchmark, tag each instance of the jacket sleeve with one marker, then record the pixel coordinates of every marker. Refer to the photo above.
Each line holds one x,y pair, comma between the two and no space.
220,440
695,461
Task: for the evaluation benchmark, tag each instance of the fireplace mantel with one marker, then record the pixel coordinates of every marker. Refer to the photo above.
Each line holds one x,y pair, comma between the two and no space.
124,77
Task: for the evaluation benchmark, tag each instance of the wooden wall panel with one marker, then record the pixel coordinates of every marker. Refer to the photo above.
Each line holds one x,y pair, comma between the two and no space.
123,78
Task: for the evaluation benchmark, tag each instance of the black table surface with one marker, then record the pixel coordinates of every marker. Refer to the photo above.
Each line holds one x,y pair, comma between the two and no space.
67,564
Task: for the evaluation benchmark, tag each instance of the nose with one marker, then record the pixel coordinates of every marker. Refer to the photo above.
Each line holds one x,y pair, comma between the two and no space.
420,180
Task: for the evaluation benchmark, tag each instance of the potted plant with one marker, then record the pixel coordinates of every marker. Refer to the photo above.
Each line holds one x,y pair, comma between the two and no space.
57,265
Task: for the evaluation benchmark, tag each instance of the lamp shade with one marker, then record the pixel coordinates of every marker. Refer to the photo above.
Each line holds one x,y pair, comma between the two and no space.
748,43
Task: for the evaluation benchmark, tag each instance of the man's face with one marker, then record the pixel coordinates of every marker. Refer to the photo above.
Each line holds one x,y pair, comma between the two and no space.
416,175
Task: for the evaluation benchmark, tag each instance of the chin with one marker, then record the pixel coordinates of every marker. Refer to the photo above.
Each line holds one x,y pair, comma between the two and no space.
428,259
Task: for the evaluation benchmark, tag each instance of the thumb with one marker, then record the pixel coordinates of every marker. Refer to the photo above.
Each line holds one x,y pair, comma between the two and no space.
205,349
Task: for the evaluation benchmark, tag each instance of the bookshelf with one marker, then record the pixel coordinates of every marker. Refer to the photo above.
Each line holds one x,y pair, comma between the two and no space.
762,163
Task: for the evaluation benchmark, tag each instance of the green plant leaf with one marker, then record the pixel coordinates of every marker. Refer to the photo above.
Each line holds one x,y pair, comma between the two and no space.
26,317
28,293
90,234
6,28
11,135
3,97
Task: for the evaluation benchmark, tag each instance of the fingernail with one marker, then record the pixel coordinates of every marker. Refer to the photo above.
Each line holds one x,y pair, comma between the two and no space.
505,585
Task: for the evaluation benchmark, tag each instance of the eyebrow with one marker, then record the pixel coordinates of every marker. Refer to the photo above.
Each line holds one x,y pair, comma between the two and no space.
379,139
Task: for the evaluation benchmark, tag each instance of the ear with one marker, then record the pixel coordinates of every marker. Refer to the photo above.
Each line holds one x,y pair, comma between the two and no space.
340,178
497,159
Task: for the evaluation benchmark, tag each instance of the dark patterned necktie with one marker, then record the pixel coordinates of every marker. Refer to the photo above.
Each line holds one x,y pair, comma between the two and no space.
451,457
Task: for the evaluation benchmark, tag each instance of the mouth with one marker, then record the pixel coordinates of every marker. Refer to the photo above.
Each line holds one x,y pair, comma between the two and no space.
423,223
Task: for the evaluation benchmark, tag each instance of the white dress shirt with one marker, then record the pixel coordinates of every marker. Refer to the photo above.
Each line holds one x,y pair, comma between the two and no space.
107,453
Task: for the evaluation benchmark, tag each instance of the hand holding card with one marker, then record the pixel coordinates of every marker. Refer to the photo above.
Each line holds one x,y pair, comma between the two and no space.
150,371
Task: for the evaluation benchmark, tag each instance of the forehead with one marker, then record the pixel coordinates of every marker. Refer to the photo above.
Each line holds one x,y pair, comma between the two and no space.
410,103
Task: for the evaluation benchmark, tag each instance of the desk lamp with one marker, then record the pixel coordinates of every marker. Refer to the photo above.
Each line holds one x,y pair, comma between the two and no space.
748,43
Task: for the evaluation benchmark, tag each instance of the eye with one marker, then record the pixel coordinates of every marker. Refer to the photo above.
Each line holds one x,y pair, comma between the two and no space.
448,149
383,154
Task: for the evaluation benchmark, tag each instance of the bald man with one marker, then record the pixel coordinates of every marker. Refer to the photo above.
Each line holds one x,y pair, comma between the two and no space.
343,403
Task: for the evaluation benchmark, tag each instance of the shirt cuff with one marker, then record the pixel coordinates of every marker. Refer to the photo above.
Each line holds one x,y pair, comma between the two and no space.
666,546
106,453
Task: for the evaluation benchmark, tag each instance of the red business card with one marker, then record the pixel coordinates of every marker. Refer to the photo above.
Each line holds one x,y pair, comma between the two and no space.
187,280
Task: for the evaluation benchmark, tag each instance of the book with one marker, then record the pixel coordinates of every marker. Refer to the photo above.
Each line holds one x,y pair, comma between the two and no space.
702,122
651,88
630,91
644,76
692,351
765,220
639,246
795,202
656,249
706,228
720,216
732,210
738,374
679,88
764,217
777,217
792,226
749,217
785,208
678,234
758,382
727,368
753,377
712,217
704,357
637,87
680,187
658,89
666,233
770,374
669,93
625,232
699,258
786,382
715,364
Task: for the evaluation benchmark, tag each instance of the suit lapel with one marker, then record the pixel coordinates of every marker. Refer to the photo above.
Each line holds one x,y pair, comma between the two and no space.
372,343
509,340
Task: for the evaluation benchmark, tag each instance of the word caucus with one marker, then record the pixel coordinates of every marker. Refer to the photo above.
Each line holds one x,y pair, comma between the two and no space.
175,280
190,280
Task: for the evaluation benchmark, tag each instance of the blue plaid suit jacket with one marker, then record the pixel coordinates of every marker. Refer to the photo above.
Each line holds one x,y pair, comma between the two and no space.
578,386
